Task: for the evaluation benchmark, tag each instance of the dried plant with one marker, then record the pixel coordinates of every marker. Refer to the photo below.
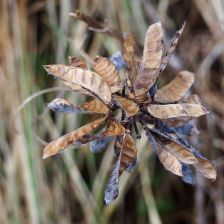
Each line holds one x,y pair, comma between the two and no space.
162,114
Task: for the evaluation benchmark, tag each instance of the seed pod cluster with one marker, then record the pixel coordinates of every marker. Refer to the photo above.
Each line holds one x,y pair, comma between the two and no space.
163,114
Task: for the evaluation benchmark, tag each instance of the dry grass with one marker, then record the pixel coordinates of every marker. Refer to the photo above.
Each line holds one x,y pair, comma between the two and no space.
69,188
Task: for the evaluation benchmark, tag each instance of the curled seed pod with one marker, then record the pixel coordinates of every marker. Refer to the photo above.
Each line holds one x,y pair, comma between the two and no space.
107,70
176,89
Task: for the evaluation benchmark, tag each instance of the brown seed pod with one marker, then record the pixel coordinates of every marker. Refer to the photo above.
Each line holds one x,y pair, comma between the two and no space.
95,106
176,89
77,62
177,150
206,168
106,69
128,48
169,161
114,128
171,49
128,153
86,79
152,57
176,110
68,139
77,88
129,106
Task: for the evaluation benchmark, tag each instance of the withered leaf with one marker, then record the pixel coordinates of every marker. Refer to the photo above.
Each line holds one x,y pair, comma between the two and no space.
128,48
115,89
171,49
68,139
152,57
118,145
176,110
169,161
107,70
88,80
176,89
129,106
77,62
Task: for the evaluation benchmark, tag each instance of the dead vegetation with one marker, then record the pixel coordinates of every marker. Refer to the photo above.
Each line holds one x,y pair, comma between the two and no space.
68,188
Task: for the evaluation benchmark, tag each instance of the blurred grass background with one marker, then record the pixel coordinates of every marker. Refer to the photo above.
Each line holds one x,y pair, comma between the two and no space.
68,188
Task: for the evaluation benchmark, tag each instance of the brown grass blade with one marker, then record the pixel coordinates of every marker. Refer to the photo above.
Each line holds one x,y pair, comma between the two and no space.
206,168
68,139
152,57
106,69
129,106
176,89
169,161
86,79
176,110
77,62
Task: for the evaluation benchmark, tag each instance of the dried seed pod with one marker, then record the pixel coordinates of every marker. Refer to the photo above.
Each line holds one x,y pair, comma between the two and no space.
126,156
176,89
107,70
95,106
178,150
68,139
128,48
114,128
63,106
78,88
152,57
77,62
206,168
169,161
115,89
86,79
176,110
171,49
112,188
128,153
193,99
129,106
